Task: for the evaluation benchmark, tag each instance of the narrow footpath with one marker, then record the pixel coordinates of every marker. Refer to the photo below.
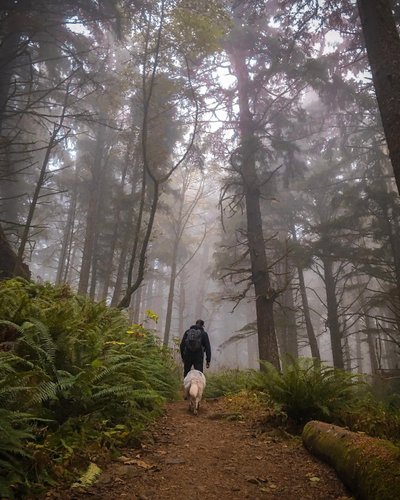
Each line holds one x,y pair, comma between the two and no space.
211,457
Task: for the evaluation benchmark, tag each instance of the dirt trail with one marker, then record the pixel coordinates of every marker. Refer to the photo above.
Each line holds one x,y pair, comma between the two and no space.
210,457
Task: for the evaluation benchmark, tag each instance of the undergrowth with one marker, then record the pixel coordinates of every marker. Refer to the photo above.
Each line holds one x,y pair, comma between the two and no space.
309,390
76,380
229,382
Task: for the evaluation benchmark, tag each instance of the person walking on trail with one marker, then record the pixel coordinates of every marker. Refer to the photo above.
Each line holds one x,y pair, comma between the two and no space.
194,343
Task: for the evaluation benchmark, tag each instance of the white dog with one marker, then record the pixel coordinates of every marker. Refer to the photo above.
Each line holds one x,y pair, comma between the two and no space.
194,384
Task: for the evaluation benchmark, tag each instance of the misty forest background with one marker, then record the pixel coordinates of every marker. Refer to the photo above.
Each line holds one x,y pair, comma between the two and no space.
209,159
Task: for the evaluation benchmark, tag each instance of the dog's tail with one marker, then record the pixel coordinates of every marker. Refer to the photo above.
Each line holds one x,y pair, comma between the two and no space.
194,389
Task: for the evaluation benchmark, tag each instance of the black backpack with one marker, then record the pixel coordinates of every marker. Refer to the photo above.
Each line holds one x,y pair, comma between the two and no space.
193,340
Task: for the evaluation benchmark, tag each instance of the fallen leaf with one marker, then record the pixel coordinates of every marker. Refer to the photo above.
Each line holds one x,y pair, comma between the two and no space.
314,479
139,463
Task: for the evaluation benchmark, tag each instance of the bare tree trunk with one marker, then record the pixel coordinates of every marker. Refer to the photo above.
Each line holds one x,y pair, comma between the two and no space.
126,240
92,212
9,49
136,304
290,329
182,303
42,179
94,263
371,344
333,320
383,48
359,357
68,230
125,301
9,185
347,354
121,270
117,218
150,67
312,339
171,293
265,295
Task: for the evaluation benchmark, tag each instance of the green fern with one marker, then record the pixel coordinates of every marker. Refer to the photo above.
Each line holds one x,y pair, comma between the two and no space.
74,363
308,390
15,432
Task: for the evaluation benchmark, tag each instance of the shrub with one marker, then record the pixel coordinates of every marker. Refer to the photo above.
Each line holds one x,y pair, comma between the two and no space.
373,417
308,390
229,382
15,430
95,379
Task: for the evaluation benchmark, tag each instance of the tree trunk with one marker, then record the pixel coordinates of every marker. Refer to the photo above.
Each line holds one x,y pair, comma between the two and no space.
346,354
265,295
9,185
290,328
95,262
136,304
126,299
121,269
125,245
68,230
8,58
178,231
333,319
171,293
383,48
182,303
9,265
42,179
371,344
367,465
312,339
92,212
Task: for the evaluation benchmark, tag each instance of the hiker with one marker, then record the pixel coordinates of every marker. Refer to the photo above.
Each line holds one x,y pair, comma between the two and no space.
194,342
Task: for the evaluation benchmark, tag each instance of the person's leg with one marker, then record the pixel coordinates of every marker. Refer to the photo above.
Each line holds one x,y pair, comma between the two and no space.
198,362
187,365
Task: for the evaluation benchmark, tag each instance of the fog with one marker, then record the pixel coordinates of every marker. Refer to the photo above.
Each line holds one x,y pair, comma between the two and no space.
224,163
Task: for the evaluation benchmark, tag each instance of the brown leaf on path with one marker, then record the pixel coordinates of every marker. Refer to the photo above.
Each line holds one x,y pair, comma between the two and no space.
139,463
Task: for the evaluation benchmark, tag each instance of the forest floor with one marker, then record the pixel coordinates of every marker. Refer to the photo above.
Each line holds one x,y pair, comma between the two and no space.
213,456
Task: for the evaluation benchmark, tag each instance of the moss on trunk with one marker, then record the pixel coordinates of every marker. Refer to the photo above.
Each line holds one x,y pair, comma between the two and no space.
370,467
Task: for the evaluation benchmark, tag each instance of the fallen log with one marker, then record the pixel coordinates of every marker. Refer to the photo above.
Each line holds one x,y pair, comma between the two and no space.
368,466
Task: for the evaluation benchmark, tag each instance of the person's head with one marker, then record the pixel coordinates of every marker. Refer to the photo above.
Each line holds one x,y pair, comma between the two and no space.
200,322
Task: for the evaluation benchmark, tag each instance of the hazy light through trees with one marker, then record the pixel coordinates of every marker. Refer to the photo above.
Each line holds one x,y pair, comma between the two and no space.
150,153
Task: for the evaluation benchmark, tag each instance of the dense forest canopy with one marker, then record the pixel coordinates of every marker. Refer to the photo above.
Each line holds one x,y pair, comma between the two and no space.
234,161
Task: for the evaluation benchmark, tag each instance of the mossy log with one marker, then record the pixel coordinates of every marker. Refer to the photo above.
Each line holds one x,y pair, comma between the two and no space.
369,467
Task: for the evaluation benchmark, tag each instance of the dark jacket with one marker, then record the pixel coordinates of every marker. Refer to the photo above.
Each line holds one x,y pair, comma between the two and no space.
205,342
